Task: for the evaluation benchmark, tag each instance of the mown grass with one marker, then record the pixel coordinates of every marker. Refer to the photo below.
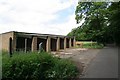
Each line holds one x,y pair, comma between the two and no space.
34,66
91,45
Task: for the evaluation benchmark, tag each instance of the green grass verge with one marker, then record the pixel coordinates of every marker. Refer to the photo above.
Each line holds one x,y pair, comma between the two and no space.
91,45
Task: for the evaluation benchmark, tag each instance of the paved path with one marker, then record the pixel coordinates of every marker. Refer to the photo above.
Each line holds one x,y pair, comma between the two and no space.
105,64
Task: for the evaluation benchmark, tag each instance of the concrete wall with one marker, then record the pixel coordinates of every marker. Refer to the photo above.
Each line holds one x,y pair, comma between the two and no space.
31,42
48,49
5,40
34,44
58,44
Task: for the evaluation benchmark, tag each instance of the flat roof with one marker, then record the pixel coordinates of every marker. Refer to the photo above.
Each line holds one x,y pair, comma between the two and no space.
37,34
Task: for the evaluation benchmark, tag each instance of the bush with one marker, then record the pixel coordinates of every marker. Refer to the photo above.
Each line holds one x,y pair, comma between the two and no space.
64,69
36,66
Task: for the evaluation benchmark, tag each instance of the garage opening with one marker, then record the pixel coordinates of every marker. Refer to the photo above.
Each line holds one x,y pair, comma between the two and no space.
67,42
53,44
20,44
72,42
29,44
39,40
61,43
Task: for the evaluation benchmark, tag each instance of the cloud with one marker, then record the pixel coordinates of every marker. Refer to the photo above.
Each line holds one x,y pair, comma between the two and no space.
38,16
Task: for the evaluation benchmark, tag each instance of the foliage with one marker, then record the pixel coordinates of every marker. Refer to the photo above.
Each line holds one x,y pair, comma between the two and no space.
63,69
36,66
114,26
101,21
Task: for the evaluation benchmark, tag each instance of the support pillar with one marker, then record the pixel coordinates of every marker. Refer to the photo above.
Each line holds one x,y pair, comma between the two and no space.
70,43
74,42
65,43
34,44
48,44
58,44
25,44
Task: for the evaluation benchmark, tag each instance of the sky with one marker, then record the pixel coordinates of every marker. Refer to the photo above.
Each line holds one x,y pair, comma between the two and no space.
38,16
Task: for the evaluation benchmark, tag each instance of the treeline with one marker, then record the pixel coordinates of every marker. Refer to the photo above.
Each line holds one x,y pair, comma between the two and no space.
102,22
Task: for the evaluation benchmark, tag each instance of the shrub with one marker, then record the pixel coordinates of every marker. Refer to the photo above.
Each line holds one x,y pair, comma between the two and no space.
36,66
64,69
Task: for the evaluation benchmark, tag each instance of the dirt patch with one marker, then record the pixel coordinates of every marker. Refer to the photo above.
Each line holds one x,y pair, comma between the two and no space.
79,66
80,56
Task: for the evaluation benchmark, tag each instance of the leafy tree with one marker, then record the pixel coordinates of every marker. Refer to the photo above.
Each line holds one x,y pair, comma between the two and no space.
115,21
100,20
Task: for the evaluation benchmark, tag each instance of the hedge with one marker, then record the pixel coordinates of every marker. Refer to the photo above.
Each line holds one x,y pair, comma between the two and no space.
34,66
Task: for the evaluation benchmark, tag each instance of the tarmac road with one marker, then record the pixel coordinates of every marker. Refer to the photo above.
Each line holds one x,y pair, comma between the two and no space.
104,65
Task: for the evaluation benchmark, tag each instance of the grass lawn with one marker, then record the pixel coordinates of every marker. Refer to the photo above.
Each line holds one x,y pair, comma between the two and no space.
93,45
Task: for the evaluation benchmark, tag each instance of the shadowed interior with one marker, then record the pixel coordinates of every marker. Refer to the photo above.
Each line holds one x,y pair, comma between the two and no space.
67,42
61,43
20,44
71,42
39,40
53,44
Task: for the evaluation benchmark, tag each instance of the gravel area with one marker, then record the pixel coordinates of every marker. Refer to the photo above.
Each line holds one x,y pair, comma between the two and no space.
78,55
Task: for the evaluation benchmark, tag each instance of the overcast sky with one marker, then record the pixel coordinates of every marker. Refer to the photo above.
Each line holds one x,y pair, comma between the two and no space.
38,16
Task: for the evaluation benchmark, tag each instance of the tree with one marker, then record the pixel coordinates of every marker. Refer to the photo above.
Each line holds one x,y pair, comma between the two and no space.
115,21
94,15
99,18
